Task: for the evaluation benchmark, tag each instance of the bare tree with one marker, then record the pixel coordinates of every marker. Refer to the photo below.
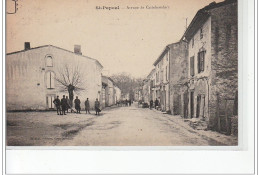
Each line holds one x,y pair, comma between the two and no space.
127,83
70,79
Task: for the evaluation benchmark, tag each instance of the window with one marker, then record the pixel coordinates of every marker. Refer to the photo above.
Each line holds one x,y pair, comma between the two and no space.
201,33
50,80
192,42
161,76
166,74
201,59
157,77
192,66
49,62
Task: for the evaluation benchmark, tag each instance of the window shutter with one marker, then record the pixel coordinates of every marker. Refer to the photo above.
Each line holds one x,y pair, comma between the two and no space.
166,74
199,55
192,66
202,61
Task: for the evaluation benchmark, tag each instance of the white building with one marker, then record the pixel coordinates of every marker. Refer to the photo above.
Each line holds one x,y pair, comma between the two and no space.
117,94
162,80
31,77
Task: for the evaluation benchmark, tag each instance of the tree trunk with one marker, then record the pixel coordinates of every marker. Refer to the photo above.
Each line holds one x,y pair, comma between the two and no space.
71,97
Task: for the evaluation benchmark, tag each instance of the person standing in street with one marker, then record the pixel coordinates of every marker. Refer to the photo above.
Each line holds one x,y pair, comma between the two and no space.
156,103
87,106
151,104
77,104
63,105
97,107
57,105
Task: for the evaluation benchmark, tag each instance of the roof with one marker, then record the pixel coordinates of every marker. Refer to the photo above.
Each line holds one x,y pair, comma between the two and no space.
164,52
108,78
56,48
201,17
151,72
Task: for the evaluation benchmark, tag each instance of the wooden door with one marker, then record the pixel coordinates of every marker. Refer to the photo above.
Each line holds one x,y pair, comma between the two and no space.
191,104
50,99
198,106
185,104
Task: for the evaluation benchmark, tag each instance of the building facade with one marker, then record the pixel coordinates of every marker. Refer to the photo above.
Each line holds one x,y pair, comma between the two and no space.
109,91
151,85
117,94
178,76
31,77
212,40
162,87
138,93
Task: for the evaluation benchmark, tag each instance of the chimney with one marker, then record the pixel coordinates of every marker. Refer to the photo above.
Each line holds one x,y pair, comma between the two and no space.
77,49
27,46
212,4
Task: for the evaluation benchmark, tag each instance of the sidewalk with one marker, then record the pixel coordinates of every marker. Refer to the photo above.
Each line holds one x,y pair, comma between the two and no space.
218,137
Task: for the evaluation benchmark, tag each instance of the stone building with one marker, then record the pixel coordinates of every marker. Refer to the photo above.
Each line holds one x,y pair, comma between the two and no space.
117,93
161,87
178,77
212,38
31,76
145,92
108,91
148,87
151,85
138,93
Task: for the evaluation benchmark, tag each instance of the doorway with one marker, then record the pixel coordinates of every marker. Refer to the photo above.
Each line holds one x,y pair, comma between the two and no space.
198,106
192,104
186,104
49,100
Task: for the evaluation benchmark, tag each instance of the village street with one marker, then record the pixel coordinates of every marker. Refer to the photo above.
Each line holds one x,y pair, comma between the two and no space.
116,126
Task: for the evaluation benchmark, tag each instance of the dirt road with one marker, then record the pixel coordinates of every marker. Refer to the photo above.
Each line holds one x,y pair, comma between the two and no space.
118,126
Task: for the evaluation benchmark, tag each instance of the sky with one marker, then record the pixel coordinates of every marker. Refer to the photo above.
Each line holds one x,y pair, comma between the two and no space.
123,40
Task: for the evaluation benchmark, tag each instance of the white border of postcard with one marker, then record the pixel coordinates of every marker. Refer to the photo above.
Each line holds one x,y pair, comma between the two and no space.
153,160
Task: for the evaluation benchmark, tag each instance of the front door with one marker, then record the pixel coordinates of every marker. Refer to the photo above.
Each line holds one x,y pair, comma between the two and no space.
191,104
186,104
49,100
198,106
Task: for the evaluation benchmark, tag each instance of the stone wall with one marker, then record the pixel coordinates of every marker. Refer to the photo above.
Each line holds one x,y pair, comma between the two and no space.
224,53
177,75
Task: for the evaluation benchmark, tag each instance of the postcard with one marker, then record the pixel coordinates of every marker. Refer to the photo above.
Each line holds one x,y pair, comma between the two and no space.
88,74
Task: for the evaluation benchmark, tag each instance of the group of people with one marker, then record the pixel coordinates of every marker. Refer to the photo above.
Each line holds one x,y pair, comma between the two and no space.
156,103
64,105
124,102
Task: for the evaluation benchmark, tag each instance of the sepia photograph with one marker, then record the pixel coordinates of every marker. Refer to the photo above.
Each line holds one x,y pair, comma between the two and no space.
122,73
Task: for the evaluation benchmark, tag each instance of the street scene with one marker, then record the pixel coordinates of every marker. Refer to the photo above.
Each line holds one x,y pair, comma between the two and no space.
122,75
116,126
